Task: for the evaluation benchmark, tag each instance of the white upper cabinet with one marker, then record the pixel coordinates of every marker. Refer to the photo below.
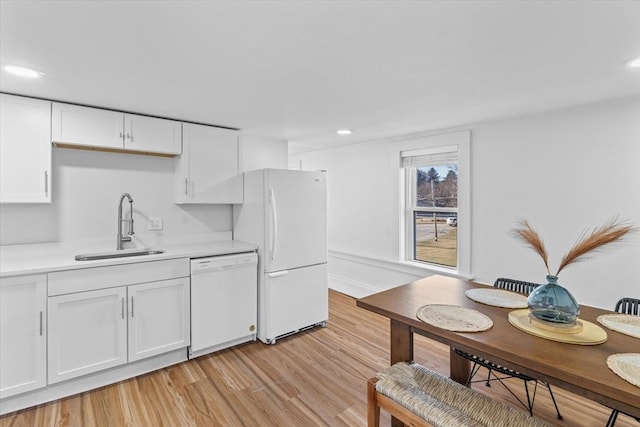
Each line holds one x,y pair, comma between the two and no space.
25,150
152,135
86,126
209,169
94,127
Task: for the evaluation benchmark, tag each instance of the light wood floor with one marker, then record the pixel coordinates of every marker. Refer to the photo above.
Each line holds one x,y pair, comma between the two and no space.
315,378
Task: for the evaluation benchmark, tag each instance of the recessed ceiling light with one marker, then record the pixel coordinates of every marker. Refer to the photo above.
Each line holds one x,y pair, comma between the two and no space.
23,71
343,132
633,63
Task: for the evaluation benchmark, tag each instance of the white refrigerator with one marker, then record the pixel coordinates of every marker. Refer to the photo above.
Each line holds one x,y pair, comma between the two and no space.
285,213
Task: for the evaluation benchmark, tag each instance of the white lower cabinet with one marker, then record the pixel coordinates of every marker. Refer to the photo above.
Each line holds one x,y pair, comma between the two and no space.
158,317
95,330
23,351
87,332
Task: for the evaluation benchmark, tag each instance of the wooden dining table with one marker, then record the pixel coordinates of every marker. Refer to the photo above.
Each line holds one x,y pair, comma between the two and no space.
580,369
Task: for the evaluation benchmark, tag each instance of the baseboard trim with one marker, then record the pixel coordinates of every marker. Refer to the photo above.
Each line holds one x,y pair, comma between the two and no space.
396,266
350,287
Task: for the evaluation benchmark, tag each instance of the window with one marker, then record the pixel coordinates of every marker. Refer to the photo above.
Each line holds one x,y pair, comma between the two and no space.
436,194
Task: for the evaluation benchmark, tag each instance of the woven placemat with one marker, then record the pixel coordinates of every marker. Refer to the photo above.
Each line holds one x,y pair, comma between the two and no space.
627,324
497,297
590,334
626,366
454,318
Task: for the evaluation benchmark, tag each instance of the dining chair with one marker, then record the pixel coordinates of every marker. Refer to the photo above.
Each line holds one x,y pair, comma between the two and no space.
504,372
624,306
628,306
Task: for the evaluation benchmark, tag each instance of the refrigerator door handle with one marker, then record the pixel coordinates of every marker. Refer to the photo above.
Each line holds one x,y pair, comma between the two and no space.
274,224
278,273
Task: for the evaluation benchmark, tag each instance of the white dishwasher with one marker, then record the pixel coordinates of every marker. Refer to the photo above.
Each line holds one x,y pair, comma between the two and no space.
224,302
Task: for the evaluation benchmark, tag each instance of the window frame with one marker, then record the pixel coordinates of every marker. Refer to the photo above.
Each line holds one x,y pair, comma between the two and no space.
408,182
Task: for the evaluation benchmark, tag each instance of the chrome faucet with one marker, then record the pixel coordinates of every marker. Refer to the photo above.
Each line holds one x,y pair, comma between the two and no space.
120,237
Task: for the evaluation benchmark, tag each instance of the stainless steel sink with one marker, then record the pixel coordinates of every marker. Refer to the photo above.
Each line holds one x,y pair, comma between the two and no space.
118,254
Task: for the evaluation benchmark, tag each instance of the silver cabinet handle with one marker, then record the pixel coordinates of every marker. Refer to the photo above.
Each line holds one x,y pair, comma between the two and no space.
46,183
121,135
131,307
130,136
41,323
186,186
122,308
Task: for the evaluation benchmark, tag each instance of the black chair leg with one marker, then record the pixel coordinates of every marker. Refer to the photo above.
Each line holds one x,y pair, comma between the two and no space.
474,370
612,418
554,401
529,403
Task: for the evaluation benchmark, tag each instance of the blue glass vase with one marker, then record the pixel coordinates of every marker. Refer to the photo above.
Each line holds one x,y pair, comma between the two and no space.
553,303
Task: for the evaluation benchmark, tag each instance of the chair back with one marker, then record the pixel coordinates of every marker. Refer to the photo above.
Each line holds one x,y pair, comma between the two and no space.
628,306
515,285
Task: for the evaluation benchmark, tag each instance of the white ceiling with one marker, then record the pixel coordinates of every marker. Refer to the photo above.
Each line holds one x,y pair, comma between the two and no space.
299,70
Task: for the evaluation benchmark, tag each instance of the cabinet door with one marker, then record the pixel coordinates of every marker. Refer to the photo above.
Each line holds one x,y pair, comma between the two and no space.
72,124
158,317
208,170
25,150
23,351
87,332
152,135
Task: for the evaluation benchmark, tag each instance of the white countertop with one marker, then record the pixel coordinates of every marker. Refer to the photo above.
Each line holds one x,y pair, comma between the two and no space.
17,260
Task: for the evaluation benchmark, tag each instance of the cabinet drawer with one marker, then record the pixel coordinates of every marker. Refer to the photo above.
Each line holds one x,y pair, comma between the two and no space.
86,279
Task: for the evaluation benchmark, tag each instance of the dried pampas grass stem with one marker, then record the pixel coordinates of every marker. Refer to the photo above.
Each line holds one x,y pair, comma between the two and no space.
531,237
610,232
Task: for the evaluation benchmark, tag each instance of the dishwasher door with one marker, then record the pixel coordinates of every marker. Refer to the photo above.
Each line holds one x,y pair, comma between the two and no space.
224,302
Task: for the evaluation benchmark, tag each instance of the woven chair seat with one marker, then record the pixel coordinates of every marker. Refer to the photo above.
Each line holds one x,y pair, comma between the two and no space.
441,401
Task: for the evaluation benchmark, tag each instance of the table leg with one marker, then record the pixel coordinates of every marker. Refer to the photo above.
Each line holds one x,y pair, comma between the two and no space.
401,342
459,367
401,350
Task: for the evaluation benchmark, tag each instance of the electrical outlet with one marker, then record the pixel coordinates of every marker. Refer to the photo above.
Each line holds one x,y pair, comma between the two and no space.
154,223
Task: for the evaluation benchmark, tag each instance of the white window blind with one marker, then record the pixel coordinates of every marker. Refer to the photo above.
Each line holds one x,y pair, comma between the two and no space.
430,157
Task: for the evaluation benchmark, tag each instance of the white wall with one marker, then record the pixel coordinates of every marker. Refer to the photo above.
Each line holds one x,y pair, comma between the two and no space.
87,186
565,171
86,189
260,153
